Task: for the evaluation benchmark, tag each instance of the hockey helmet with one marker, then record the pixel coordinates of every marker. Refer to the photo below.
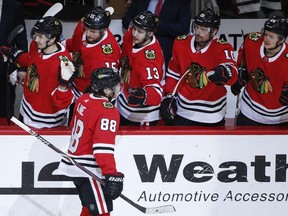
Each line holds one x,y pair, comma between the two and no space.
97,19
208,18
277,25
49,26
102,78
146,20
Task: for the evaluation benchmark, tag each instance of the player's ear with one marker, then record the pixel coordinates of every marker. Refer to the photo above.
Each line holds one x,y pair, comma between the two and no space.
150,34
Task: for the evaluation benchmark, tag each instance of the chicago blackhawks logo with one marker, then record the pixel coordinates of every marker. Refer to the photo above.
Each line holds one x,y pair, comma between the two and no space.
254,36
181,37
108,105
222,41
107,49
196,77
33,78
260,82
150,54
125,70
77,60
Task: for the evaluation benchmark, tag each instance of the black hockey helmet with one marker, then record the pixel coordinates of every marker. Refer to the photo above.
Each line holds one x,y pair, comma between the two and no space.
102,78
97,19
208,18
49,26
146,20
277,25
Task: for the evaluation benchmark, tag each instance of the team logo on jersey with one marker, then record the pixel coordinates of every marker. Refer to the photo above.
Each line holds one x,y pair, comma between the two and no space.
108,105
107,49
181,37
196,76
254,36
222,41
150,54
260,82
33,78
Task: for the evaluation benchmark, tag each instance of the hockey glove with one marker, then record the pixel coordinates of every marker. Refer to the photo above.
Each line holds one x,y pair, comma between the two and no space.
11,53
113,185
241,82
136,97
221,75
66,72
168,109
284,95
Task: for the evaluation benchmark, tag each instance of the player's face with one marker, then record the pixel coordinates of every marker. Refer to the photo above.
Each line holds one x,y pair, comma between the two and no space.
270,39
41,40
92,35
202,34
139,35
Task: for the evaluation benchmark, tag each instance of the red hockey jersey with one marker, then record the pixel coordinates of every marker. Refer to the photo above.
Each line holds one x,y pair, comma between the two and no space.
260,99
147,71
105,53
44,105
94,127
205,101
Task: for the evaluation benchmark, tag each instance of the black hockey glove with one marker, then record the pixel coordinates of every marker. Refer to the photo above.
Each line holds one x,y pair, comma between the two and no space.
113,185
221,75
168,109
284,95
66,72
241,82
11,53
137,97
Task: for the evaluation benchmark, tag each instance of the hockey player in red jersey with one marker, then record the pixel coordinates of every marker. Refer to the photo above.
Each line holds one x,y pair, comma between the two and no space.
93,46
265,55
202,64
46,95
94,127
142,73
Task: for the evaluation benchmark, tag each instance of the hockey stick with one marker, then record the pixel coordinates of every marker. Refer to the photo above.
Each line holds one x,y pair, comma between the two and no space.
237,109
53,10
151,210
12,35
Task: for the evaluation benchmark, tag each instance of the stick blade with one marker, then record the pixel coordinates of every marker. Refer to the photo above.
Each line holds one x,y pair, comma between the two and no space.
53,10
17,30
160,209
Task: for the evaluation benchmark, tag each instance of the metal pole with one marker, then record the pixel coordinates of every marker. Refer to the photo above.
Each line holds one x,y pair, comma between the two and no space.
101,3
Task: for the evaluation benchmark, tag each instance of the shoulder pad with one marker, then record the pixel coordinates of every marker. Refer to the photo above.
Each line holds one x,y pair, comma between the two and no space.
254,36
221,41
108,105
181,37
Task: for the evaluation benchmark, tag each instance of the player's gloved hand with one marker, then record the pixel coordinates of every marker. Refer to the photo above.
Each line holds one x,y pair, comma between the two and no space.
284,95
113,185
168,109
66,72
136,97
11,53
241,82
221,75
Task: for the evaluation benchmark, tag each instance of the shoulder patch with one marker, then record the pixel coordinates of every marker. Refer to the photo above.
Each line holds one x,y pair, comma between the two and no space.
107,49
254,36
221,41
150,54
108,105
181,37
